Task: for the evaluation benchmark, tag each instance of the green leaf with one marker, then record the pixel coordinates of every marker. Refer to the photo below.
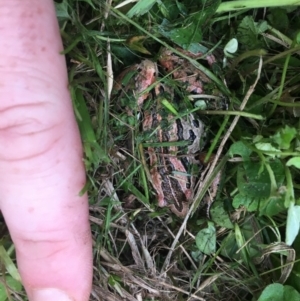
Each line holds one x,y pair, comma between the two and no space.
220,216
185,36
128,186
12,283
114,281
272,206
229,247
182,8
141,8
291,294
196,48
257,138
292,223
255,189
62,10
273,292
201,104
248,32
268,147
239,148
169,106
170,10
279,19
284,137
251,203
231,47
240,240
9,264
93,151
136,43
209,7
189,29
279,292
294,162
206,239
252,182
298,38
197,255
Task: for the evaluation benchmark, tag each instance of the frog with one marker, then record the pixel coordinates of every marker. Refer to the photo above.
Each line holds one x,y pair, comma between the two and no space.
171,166
183,71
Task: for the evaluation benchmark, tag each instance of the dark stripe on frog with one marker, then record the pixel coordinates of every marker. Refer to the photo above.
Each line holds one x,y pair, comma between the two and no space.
173,193
171,187
185,160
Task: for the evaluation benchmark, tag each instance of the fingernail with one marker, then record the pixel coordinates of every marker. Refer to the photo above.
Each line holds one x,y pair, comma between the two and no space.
50,294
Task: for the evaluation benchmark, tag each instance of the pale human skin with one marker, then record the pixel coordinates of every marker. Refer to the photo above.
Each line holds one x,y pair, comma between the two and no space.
41,167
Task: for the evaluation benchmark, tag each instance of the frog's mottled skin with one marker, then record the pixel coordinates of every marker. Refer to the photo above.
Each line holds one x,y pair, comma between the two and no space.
169,165
146,73
183,71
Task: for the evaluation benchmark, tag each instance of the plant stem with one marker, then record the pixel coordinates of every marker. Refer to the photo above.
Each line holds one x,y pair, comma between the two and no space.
283,77
216,139
231,113
248,4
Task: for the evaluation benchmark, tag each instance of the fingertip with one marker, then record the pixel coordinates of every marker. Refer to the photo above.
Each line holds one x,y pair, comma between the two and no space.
50,294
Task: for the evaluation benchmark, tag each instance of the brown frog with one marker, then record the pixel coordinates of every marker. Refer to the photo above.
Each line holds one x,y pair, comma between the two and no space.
173,140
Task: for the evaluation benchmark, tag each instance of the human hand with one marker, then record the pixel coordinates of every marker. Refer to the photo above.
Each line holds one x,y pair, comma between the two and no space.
41,168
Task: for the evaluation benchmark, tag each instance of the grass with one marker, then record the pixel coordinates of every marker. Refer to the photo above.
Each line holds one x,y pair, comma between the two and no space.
248,247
